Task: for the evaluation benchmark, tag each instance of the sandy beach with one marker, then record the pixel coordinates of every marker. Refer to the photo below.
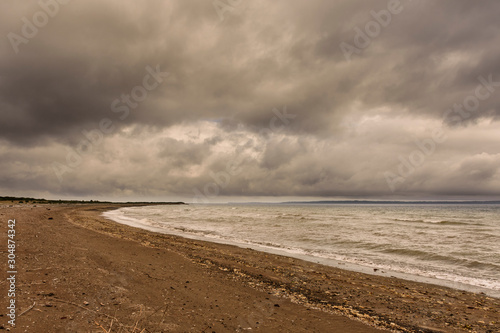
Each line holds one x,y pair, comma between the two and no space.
79,272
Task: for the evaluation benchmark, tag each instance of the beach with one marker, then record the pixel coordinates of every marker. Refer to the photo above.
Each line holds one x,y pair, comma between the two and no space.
80,272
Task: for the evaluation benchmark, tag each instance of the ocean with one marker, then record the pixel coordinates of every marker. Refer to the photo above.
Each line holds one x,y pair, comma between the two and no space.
455,245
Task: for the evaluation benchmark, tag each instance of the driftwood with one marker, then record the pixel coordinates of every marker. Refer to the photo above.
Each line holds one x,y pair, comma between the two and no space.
31,307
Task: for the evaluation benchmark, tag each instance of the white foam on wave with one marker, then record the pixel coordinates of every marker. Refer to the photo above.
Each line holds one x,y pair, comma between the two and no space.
223,235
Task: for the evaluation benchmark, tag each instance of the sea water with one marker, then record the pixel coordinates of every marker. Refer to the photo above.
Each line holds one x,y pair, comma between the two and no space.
456,245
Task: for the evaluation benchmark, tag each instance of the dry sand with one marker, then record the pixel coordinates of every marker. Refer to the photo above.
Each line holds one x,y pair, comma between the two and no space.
78,272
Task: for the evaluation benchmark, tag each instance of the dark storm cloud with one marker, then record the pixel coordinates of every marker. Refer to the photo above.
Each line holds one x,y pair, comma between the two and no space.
233,68
90,53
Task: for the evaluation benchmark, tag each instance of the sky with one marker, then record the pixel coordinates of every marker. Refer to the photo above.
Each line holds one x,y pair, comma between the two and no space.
234,100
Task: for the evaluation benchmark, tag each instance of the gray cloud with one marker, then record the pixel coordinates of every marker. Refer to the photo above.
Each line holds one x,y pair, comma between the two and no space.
353,119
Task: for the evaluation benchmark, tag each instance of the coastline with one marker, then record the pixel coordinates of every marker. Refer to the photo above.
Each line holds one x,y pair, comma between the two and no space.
82,269
345,265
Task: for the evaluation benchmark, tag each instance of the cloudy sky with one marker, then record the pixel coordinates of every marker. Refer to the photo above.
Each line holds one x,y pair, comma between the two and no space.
250,100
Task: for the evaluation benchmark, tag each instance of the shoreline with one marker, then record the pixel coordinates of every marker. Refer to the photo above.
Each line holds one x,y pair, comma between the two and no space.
346,265
79,268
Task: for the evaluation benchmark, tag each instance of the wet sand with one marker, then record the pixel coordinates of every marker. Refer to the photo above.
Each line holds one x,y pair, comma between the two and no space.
79,272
